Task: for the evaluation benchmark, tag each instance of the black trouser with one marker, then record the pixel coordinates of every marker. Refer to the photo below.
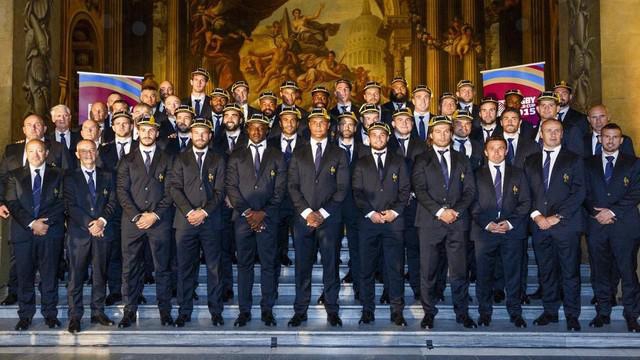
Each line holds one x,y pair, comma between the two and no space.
82,252
114,266
228,249
432,244
12,282
248,244
559,266
189,242
307,241
489,250
412,246
617,251
371,236
350,218
38,254
133,264
285,225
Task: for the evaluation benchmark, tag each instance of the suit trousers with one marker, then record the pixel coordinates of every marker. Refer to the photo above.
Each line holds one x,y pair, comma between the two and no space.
38,254
114,265
350,220
452,242
412,246
189,242
228,249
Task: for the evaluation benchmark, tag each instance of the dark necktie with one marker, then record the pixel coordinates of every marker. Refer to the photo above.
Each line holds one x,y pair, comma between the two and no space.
540,142
36,191
197,107
398,105
233,142
347,148
216,124
403,146
421,128
318,157
608,169
344,109
288,150
488,132
63,140
511,152
444,168
598,146
546,169
467,108
380,165
147,160
200,154
497,185
462,149
560,116
183,142
256,158
121,152
92,188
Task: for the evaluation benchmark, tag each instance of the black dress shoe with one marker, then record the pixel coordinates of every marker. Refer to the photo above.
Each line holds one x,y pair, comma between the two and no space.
427,321
518,321
484,320
142,300
439,297
149,279
416,294
11,299
545,319
334,320
285,260
267,318
195,296
498,296
384,298
398,319
243,319
101,319
356,295
347,279
128,319
367,317
112,299
182,320
23,324
379,278
321,299
524,300
573,324
466,321
52,322
166,319
74,326
594,300
536,295
632,324
227,295
217,320
599,321
297,320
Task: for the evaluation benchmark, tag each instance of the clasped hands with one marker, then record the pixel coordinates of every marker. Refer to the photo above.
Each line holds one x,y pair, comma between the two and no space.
546,222
382,217
498,228
604,216
255,219
448,216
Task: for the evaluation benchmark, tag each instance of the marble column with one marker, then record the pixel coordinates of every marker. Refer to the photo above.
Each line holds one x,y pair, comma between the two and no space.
433,57
113,36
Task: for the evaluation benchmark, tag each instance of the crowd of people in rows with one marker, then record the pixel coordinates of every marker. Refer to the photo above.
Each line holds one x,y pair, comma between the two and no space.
148,194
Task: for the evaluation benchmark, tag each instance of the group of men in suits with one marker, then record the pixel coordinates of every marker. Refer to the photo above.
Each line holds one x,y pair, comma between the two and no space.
210,179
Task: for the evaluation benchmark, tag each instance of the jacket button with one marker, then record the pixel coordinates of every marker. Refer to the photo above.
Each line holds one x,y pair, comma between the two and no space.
255,187
381,189
316,181
444,186
146,202
200,188
91,209
146,188
545,203
608,194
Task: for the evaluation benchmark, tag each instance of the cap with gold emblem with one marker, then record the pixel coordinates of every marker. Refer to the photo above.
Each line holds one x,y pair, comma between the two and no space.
515,92
220,92
348,115
369,108
258,118
200,71
399,79
267,94
448,95
289,84
440,119
148,120
462,115
372,85
406,112
202,122
343,81
563,84
321,89
319,112
548,95
379,125
462,83
233,107
185,109
489,99
292,110
238,84
121,114
422,87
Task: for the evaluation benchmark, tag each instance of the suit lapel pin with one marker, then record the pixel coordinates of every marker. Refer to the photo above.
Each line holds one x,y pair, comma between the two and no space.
394,177
626,181
161,177
515,189
273,173
55,192
210,178
332,170
105,192
462,177
565,177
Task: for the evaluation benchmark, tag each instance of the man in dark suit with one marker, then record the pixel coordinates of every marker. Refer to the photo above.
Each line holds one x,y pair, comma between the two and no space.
255,184
404,143
240,94
198,100
287,142
547,107
566,114
368,115
90,202
318,179
398,96
34,198
598,118
556,179
145,217
167,117
613,194
289,94
268,103
466,92
196,185
489,125
232,136
99,113
443,183
381,204
62,133
344,103
174,145
110,155
149,96
165,89
371,93
448,104
499,226
421,97
219,99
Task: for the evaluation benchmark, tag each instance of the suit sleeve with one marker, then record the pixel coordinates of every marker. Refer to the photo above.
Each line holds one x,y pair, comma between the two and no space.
631,198
421,186
218,187
343,181
577,192
479,216
520,215
280,186
111,203
404,189
468,189
19,213
357,186
123,188
232,186
73,208
294,187
165,203
175,187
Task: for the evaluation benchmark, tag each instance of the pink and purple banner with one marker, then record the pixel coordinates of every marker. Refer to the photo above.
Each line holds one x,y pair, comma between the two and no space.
97,87
528,78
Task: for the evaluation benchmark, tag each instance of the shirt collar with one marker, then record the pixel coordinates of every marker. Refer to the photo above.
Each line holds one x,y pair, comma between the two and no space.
614,154
554,149
384,151
41,168
151,148
284,138
235,133
436,148
492,164
193,148
84,169
124,140
263,143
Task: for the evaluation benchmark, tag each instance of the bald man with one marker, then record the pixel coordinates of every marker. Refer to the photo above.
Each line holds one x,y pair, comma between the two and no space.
598,117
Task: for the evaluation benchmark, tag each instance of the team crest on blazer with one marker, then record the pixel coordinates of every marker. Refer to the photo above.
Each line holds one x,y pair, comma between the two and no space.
210,177
394,177
332,170
273,173
565,177
515,189
55,192
105,192
462,177
626,181
161,177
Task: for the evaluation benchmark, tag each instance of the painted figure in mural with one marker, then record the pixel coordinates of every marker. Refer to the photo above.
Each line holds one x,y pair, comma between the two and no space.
277,60
308,32
38,51
320,69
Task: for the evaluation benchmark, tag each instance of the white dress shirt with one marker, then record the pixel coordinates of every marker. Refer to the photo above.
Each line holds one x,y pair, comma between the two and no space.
284,143
447,156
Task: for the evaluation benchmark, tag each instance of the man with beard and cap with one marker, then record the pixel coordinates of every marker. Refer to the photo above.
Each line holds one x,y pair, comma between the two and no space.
287,142
398,96
168,119
34,198
198,100
318,179
466,92
176,144
462,142
146,217
421,98
320,99
513,99
256,180
165,89
566,114
598,118
240,94
547,107
445,188
342,92
488,125
196,186
219,99
98,113
404,143
368,115
381,188
289,94
448,104
613,194
268,103
371,93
